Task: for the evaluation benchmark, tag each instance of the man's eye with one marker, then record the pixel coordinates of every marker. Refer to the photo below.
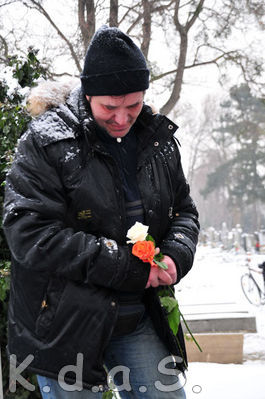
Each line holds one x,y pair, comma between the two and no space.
133,106
109,107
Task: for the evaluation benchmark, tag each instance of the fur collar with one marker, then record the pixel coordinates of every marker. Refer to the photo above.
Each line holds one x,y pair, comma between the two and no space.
49,94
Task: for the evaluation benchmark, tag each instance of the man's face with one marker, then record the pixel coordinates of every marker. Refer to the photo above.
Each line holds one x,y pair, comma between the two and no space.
116,114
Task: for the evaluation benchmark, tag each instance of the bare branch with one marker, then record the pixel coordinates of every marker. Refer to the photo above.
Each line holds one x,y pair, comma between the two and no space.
163,7
8,2
196,64
258,10
135,22
57,75
129,9
141,15
39,7
213,61
5,46
163,75
195,15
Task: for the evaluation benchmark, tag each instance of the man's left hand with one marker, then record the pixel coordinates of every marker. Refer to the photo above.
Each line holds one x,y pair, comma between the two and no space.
171,268
160,276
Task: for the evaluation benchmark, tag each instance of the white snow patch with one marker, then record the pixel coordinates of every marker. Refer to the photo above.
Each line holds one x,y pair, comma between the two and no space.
6,75
71,155
215,278
110,244
230,381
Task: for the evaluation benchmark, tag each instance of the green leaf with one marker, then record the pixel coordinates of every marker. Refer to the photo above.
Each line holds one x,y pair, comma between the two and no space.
168,303
172,308
150,238
162,265
107,395
174,319
159,256
163,292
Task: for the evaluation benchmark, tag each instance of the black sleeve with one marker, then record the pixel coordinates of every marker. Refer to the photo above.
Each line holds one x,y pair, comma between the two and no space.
33,221
182,236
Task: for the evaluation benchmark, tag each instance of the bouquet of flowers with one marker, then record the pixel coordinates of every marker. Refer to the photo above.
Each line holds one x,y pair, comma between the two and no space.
144,247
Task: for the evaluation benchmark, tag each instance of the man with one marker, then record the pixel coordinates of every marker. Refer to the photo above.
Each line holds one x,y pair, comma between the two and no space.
85,171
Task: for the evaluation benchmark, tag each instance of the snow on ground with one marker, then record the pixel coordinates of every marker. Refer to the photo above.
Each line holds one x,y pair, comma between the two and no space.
215,278
225,381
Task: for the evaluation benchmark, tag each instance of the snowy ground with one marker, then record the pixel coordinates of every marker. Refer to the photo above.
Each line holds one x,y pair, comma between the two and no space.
215,278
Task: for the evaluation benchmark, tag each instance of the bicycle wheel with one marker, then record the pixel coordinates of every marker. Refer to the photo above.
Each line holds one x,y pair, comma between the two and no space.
251,289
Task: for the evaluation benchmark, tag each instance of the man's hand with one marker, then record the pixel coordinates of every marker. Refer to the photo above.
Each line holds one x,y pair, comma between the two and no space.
160,276
171,268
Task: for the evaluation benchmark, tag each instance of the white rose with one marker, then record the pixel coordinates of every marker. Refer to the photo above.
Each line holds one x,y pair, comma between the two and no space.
137,232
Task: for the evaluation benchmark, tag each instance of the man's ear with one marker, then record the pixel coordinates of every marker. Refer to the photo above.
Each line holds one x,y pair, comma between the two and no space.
88,98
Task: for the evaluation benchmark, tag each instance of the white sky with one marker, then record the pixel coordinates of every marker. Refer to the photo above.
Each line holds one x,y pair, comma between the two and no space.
199,82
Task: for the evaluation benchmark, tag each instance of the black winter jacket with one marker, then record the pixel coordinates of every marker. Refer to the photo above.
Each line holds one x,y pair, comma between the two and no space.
64,219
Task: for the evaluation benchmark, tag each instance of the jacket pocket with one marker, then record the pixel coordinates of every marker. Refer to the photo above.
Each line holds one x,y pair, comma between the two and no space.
49,305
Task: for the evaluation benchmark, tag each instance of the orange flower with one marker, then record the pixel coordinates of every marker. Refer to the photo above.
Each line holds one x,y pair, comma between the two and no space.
145,250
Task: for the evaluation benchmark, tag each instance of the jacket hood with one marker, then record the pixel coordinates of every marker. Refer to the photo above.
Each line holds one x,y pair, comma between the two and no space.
49,94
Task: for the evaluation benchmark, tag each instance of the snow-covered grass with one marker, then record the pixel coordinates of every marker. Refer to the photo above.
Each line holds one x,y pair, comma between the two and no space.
215,278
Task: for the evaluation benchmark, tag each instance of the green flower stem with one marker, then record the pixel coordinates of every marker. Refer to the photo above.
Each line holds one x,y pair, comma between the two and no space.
181,352
162,265
186,325
192,336
109,395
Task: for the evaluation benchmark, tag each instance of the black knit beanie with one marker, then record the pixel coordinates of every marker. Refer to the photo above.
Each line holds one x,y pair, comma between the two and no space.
114,65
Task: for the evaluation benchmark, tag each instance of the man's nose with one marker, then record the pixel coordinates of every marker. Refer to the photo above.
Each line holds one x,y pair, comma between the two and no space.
121,117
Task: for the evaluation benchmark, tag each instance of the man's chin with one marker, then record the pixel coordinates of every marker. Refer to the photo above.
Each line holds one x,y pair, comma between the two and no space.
118,133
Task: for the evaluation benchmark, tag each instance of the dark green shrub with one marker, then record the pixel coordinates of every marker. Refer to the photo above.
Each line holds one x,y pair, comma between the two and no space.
13,122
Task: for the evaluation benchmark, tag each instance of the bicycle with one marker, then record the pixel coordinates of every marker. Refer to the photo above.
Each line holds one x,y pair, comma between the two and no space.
252,290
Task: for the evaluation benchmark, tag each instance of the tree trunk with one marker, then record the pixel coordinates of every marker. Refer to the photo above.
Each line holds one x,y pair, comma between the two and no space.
86,18
113,13
146,27
175,94
183,32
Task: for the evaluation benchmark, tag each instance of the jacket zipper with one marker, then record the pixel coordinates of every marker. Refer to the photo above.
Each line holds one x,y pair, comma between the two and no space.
171,204
156,177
